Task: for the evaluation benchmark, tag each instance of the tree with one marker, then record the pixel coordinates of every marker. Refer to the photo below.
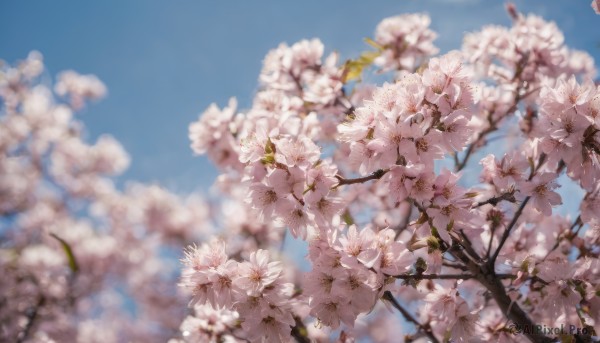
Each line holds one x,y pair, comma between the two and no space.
381,182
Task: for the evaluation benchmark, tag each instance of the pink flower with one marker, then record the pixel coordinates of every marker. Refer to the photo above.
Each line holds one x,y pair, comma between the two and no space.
257,273
466,324
269,325
505,173
363,158
222,284
443,303
253,147
387,255
429,148
209,273
299,151
540,188
324,209
264,198
420,184
212,126
357,286
407,40
358,128
559,299
333,310
554,268
79,87
590,206
289,182
456,131
596,6
354,243
292,214
321,178
566,95
388,140
318,283
208,324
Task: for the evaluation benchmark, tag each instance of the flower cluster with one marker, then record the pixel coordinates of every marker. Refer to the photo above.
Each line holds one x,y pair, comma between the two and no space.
414,121
379,182
77,252
568,126
406,42
350,270
364,174
255,289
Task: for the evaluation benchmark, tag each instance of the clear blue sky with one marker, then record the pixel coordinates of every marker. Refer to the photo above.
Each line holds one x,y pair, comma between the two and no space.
165,61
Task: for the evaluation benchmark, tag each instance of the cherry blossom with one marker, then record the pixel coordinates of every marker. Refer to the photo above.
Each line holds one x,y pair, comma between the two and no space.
458,201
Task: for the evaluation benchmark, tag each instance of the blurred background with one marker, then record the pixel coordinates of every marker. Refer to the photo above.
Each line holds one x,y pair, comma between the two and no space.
164,62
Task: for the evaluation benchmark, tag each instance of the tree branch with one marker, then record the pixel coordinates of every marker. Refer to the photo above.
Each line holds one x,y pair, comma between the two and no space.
447,276
506,233
374,176
299,331
31,317
387,295
487,276
509,196
570,234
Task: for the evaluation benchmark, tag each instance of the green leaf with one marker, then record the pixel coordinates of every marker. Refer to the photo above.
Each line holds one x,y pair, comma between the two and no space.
268,159
450,225
347,217
353,68
433,244
69,252
374,44
269,147
471,194
421,265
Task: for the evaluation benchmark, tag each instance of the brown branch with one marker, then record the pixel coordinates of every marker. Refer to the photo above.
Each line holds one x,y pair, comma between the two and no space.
387,295
509,196
577,223
506,233
405,222
487,276
471,148
467,245
454,266
299,331
31,317
374,176
447,276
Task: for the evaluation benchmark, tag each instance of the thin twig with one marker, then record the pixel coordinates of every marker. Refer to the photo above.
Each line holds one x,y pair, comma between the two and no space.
473,146
299,331
374,176
506,233
405,222
466,243
454,266
31,317
491,241
447,276
509,196
576,223
387,295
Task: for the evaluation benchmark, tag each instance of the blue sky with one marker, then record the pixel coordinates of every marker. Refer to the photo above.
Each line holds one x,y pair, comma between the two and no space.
165,61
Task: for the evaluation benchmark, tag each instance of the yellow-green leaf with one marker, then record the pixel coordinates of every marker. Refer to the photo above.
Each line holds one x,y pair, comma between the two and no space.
347,217
69,252
353,68
374,44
